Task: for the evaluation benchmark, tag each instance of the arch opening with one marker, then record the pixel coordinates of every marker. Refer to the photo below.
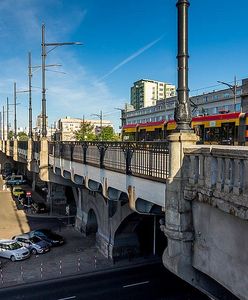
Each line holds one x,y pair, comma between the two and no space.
137,236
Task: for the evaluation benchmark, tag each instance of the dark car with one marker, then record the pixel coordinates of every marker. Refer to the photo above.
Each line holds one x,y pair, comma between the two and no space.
47,235
39,208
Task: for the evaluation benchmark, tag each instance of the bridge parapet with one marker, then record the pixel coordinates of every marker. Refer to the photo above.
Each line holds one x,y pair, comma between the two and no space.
219,174
144,159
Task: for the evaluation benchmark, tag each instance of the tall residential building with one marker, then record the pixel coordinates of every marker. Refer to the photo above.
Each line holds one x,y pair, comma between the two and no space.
146,92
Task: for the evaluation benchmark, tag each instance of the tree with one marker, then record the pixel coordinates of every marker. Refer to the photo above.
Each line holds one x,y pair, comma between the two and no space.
108,134
85,133
22,136
10,135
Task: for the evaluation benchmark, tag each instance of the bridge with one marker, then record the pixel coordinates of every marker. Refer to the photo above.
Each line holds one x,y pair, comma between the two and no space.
196,194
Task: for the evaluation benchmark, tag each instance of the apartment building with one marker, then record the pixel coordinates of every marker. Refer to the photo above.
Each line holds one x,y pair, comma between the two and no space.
145,92
210,103
67,126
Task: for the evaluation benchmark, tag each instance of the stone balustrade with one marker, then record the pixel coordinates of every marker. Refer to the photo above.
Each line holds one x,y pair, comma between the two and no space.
219,176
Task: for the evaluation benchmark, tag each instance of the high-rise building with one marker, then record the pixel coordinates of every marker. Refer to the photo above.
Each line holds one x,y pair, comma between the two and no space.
146,92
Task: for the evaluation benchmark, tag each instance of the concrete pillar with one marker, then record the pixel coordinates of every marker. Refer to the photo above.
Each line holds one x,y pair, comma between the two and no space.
30,154
8,148
15,150
79,215
44,172
178,213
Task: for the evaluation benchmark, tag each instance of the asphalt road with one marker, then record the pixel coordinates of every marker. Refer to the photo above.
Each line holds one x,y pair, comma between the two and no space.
151,282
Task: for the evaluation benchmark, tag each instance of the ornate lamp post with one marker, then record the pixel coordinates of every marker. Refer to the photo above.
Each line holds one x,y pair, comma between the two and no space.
182,112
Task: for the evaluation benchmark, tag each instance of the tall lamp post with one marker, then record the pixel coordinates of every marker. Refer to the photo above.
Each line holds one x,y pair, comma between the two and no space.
233,88
44,53
182,112
99,116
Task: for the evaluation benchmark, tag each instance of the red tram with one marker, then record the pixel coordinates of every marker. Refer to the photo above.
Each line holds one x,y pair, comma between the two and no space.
226,128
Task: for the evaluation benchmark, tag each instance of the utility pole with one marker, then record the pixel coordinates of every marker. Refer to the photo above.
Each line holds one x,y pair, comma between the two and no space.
182,112
43,62
3,125
15,123
30,134
43,70
1,133
233,88
7,116
101,125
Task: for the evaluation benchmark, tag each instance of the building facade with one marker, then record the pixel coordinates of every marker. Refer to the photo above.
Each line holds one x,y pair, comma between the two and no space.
211,103
145,93
67,126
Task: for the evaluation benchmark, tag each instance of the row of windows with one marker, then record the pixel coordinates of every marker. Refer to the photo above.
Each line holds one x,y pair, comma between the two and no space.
206,111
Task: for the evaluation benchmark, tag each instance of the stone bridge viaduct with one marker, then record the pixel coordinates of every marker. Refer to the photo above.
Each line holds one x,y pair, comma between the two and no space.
130,193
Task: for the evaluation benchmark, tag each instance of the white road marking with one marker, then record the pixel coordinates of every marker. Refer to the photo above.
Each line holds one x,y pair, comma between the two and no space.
138,283
67,298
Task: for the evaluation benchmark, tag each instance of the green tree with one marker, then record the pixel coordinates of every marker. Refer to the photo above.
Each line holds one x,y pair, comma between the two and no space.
108,134
10,135
22,136
85,133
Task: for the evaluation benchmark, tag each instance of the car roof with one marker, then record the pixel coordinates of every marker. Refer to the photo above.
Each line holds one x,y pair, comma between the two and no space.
17,187
7,242
25,235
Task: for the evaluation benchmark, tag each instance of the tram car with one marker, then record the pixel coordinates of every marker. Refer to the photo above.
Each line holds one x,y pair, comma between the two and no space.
223,128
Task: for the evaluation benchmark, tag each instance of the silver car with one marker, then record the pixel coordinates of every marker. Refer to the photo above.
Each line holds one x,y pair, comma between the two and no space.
13,250
34,244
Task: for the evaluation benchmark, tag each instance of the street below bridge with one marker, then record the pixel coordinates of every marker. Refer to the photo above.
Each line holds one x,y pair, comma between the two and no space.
151,281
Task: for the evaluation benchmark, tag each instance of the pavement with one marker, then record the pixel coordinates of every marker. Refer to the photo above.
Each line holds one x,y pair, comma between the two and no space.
79,255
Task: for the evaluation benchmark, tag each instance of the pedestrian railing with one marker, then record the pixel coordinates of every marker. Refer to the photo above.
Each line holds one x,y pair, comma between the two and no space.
148,159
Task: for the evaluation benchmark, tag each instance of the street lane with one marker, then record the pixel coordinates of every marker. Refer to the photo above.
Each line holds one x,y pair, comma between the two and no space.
157,284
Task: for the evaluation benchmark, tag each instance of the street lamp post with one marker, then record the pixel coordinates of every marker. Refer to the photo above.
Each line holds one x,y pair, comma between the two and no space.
30,134
233,88
7,116
15,122
43,55
182,112
3,125
99,116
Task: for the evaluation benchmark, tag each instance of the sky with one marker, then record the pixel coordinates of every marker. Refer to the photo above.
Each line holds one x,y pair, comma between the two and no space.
123,41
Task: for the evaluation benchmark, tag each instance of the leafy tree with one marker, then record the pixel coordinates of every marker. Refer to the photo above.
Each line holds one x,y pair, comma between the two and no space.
108,134
85,133
10,135
22,136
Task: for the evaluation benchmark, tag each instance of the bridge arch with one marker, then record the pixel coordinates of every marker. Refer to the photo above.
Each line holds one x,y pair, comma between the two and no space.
135,237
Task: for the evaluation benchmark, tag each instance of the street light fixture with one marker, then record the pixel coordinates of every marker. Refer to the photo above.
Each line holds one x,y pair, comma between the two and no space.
43,55
233,88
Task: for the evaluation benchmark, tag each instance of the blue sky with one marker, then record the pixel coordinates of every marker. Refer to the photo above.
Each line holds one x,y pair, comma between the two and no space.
123,41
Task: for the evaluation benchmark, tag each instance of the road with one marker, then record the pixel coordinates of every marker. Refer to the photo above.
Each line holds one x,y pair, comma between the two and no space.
151,282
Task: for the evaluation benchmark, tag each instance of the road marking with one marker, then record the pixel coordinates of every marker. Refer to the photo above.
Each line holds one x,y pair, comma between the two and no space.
138,283
67,298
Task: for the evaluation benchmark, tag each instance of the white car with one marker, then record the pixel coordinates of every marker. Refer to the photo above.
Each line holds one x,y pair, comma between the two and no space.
13,250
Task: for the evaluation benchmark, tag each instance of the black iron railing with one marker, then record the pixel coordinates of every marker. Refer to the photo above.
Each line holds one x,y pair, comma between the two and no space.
23,145
148,159
36,147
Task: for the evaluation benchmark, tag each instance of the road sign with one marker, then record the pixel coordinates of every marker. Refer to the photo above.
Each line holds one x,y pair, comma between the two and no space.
28,194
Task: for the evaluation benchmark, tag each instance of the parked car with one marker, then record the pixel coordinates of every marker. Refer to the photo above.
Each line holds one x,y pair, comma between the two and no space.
13,250
49,236
18,191
34,243
39,208
15,180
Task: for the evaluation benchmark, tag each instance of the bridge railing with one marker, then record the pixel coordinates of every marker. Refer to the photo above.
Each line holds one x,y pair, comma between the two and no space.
147,159
11,148
22,150
220,169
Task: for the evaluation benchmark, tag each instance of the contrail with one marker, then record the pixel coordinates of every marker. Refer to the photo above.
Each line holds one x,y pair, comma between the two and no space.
131,57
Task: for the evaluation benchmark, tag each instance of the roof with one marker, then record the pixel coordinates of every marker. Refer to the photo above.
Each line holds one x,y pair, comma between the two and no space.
232,115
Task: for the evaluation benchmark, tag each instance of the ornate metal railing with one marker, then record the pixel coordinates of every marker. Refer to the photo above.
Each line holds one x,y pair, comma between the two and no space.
148,159
36,146
23,145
